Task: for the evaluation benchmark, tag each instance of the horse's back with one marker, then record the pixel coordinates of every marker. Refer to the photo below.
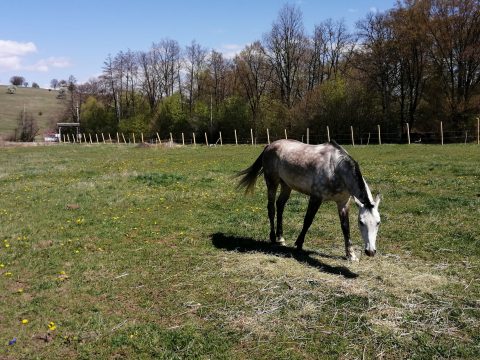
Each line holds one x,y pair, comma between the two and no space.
305,168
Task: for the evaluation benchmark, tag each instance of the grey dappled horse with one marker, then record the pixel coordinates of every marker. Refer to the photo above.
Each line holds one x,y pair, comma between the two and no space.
324,172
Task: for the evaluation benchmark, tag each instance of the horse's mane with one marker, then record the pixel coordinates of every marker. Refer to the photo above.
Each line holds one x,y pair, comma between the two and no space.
355,168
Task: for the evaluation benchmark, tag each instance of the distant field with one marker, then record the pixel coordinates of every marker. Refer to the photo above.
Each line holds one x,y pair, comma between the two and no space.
139,253
41,103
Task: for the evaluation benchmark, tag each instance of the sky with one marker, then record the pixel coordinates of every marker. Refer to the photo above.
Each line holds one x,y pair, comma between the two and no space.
43,40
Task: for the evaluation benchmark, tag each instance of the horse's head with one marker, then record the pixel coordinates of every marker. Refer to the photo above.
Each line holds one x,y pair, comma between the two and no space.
368,222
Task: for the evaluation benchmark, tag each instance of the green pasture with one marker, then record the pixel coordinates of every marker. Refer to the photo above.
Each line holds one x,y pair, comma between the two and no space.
122,252
42,104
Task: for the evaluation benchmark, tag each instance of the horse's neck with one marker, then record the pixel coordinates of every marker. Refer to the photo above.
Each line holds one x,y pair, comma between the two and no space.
352,177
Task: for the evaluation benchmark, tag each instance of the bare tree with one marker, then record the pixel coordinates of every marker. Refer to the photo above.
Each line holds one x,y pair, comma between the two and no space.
195,62
412,47
454,28
54,84
254,75
285,46
378,60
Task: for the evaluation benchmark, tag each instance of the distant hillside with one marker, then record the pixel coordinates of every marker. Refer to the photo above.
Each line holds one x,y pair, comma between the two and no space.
41,103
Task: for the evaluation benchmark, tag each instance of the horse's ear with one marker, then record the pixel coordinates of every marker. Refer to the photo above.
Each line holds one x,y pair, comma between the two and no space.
358,202
377,200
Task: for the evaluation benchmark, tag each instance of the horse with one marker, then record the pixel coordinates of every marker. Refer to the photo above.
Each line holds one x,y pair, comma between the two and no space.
324,172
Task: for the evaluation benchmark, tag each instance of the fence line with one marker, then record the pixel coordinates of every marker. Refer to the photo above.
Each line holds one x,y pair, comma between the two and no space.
353,138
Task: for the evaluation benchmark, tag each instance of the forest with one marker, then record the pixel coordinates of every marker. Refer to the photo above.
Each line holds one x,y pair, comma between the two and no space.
417,63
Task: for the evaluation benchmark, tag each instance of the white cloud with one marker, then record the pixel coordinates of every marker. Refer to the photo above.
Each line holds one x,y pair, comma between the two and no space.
373,9
230,50
44,65
10,48
14,54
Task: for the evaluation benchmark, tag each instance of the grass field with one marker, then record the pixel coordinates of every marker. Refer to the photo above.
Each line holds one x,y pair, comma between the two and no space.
41,103
142,253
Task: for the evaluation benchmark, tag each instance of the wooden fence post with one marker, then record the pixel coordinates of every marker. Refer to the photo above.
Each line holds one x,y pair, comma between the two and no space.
118,139
183,140
268,137
408,133
328,133
194,141
379,136
171,139
441,131
308,136
141,134
206,139
221,140
134,138
286,134
478,131
251,134
124,141
353,140
103,138
159,141
236,140
90,137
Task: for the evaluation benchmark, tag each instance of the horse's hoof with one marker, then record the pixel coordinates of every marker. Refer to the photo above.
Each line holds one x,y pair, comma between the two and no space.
352,257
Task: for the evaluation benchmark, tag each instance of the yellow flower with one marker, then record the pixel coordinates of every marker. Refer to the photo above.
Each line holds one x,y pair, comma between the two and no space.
52,326
8,273
24,321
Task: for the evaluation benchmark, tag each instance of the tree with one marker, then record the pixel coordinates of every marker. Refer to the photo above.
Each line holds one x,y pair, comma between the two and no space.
412,47
27,127
17,80
454,29
54,84
35,85
254,73
377,60
195,63
285,47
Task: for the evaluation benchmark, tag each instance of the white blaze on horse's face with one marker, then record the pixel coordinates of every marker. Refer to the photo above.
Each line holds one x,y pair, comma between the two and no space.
368,222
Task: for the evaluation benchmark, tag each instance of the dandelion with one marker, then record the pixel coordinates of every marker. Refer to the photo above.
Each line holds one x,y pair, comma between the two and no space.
25,321
8,273
2,266
62,276
52,326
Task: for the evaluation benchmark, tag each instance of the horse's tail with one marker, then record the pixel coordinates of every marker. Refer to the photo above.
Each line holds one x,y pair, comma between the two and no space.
249,175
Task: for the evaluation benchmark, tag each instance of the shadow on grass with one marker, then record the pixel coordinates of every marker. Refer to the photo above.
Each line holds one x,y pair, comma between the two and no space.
246,245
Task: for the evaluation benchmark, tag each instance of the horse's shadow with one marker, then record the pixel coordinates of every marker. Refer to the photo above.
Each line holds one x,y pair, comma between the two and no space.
246,245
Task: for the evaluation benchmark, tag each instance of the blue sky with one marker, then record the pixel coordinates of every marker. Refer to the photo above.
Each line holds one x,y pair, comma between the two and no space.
42,40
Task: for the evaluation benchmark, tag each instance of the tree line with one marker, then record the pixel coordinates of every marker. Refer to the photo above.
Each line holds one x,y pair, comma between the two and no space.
417,63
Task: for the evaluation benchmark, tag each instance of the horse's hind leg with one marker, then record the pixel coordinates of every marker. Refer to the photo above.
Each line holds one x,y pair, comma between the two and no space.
285,192
313,205
272,187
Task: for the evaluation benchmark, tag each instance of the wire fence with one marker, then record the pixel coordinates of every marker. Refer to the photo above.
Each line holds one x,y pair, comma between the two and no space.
374,137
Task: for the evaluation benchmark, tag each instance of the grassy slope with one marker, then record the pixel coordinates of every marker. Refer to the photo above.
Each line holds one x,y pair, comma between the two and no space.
164,259
36,101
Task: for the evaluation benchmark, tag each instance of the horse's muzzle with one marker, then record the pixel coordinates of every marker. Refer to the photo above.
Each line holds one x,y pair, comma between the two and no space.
370,253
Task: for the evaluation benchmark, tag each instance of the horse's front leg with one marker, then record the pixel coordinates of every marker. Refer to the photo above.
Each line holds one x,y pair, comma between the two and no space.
313,205
345,224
